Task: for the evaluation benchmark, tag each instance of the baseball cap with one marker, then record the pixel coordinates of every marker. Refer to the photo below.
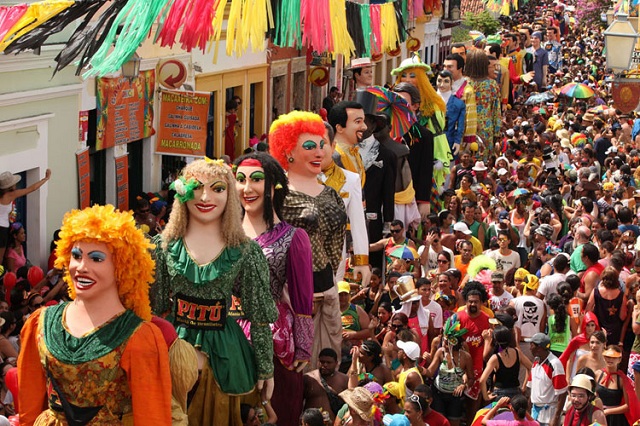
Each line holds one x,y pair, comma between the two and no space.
510,132
395,420
462,227
545,230
502,172
503,215
497,276
411,349
504,319
540,339
344,287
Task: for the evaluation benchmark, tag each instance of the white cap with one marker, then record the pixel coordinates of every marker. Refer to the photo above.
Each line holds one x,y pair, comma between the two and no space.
411,349
502,172
462,227
510,132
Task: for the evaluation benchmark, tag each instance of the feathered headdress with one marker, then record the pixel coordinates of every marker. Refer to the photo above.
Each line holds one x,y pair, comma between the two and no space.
479,263
452,331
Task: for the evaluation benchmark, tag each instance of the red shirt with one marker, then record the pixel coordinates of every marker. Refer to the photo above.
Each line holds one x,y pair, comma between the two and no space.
597,267
473,337
436,419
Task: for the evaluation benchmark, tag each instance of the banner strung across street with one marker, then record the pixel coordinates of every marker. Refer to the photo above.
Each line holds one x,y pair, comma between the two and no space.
183,123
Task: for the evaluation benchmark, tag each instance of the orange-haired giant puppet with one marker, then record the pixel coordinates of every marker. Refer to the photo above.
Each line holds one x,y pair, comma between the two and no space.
97,359
296,140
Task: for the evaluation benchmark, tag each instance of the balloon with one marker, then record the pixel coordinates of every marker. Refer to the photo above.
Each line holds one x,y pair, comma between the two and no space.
35,275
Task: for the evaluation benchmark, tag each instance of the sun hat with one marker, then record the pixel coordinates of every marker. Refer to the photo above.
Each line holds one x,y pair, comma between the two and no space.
462,227
412,62
479,166
7,180
582,381
360,400
411,349
360,63
612,353
343,287
540,339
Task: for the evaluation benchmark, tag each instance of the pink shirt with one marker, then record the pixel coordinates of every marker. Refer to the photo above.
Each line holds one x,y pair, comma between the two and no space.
18,259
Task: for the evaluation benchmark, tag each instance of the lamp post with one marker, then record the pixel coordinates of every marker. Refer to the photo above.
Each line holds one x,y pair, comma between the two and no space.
131,68
620,39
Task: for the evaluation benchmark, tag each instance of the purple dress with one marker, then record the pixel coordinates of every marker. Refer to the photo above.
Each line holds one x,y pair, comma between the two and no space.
288,252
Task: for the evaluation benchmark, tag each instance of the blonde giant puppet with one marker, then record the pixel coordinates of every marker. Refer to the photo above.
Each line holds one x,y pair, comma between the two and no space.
431,115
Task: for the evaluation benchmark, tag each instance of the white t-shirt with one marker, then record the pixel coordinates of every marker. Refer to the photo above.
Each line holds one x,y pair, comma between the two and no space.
504,263
549,284
432,261
435,311
501,301
530,311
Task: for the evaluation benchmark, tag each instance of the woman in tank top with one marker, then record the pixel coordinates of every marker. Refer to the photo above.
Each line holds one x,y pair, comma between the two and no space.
609,304
503,366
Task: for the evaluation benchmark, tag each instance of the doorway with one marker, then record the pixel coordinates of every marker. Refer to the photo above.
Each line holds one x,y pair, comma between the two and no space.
135,170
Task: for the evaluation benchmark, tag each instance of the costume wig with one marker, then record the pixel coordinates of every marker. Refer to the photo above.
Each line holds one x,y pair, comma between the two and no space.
207,170
430,101
133,266
285,131
276,184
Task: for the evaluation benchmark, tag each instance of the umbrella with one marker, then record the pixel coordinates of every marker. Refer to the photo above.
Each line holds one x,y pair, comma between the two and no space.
403,252
537,98
577,90
502,415
395,107
598,109
519,192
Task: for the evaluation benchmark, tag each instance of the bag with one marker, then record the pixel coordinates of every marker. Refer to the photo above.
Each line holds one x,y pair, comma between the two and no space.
335,402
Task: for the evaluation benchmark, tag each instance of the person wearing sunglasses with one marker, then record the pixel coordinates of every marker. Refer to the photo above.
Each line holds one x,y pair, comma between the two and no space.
430,251
398,237
414,409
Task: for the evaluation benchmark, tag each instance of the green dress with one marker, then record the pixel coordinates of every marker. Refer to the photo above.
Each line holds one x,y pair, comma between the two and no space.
199,297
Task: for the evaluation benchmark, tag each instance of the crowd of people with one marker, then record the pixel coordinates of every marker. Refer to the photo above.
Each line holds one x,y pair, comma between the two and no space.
478,265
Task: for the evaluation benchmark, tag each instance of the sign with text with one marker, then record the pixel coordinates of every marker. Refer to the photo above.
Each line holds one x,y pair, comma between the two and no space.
183,123
84,178
125,109
122,182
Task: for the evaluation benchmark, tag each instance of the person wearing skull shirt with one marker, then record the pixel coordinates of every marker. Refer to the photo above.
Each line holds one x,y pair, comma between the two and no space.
531,313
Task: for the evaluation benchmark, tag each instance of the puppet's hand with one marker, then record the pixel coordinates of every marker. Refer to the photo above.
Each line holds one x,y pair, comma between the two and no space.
364,271
300,365
266,389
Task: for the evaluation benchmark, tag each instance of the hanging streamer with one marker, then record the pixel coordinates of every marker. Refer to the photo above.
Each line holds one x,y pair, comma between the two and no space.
402,27
374,15
9,15
288,30
257,20
36,15
136,17
354,26
389,27
342,42
316,19
38,36
365,21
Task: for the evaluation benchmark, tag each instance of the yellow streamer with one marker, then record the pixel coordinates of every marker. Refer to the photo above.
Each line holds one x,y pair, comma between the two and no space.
342,41
389,27
36,15
257,18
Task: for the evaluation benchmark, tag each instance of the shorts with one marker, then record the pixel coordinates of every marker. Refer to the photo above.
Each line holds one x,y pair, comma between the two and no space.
448,405
4,237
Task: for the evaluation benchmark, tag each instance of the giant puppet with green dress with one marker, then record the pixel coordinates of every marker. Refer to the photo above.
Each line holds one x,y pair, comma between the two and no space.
97,360
432,116
202,257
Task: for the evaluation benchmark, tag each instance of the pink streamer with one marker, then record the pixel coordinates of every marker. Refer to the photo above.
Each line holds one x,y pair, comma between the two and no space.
171,25
418,8
376,42
316,20
9,15
197,29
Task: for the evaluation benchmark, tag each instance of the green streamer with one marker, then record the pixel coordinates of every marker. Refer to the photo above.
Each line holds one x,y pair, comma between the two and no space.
136,17
288,30
365,17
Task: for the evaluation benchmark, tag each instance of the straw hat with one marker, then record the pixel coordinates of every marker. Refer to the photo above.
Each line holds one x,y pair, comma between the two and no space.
7,180
359,400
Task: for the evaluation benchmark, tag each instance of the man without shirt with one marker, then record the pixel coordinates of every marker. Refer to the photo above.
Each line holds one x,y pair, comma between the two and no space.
315,391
